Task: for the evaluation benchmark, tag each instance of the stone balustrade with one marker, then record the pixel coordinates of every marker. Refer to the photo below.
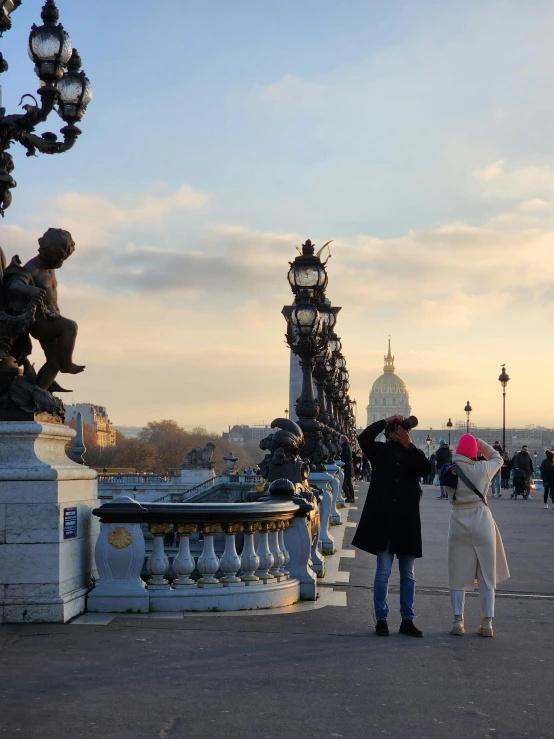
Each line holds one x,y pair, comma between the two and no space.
266,561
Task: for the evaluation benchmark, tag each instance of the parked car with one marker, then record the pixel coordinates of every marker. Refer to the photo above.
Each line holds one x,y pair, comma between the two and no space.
536,484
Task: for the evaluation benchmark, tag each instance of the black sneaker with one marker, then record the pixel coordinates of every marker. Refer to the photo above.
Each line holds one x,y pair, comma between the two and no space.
382,628
409,628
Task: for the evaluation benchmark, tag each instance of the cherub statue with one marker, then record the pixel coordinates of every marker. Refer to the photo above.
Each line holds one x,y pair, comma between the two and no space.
34,286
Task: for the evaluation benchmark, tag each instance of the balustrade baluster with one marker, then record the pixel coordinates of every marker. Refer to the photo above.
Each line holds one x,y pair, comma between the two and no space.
249,559
264,553
273,541
286,554
230,560
184,564
208,562
158,562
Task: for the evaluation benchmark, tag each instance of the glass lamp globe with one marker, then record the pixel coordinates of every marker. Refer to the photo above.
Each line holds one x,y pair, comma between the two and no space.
307,272
49,46
305,318
75,91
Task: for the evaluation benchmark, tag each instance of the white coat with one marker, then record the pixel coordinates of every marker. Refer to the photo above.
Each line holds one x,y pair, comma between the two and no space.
473,536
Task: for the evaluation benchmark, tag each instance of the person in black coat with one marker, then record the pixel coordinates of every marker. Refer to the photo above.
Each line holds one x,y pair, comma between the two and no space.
348,469
547,474
523,461
390,522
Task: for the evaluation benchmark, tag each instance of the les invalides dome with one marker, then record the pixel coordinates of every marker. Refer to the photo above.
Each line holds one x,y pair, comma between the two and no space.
389,395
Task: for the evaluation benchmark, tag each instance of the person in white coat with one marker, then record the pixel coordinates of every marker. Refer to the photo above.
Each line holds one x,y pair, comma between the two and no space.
475,549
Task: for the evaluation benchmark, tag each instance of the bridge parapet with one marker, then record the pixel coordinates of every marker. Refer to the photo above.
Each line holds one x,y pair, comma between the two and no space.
266,561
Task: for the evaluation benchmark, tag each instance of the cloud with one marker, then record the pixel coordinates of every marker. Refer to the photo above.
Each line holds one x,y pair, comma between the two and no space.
93,218
186,321
290,91
530,183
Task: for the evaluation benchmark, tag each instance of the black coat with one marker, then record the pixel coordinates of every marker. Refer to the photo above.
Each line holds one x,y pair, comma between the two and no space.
443,456
547,473
391,510
524,462
346,456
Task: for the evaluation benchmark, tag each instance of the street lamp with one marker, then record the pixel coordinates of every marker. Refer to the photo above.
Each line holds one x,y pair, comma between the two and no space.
307,272
62,84
535,455
504,379
449,427
428,441
468,410
306,339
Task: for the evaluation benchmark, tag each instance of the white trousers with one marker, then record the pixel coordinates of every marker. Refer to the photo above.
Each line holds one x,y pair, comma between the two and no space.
486,596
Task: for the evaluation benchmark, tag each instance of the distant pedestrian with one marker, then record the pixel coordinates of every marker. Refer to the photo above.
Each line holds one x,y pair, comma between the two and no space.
390,522
433,470
495,483
523,461
505,471
475,546
358,459
547,474
348,469
366,469
442,458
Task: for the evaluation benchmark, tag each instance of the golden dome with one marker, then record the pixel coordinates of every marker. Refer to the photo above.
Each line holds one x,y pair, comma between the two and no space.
389,384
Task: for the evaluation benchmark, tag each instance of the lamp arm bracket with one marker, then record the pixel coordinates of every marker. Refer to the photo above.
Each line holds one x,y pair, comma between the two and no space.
47,143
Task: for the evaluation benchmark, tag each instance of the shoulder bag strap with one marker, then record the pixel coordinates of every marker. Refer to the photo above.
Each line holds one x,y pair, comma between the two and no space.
468,482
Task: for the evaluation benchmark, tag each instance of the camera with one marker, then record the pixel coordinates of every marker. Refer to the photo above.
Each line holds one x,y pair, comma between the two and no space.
408,423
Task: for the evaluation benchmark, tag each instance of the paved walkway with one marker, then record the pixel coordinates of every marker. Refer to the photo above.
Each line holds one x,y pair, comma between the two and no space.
314,673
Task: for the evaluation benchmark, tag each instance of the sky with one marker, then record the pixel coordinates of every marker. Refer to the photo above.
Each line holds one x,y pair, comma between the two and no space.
415,134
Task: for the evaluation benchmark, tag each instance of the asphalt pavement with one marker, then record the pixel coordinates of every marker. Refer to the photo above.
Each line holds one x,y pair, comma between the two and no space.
322,673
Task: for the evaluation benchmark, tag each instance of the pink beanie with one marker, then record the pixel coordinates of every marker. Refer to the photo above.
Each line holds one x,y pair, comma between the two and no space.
467,446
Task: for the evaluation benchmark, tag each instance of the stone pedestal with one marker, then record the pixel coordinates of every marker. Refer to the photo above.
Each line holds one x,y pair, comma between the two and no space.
193,476
47,532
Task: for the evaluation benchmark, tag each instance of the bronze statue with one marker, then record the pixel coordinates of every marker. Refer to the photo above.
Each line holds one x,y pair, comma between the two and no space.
283,459
199,457
29,308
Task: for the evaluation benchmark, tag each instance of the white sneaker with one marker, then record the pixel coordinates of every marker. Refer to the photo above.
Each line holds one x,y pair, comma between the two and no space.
545,506
458,626
486,627
529,497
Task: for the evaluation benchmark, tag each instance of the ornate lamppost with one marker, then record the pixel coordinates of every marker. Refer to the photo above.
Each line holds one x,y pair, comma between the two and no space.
307,337
449,427
428,441
63,87
467,410
504,379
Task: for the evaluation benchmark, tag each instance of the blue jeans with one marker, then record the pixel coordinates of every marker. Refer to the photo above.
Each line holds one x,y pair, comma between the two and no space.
495,483
381,585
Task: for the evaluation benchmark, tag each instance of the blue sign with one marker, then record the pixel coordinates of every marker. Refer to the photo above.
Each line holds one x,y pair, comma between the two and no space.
70,523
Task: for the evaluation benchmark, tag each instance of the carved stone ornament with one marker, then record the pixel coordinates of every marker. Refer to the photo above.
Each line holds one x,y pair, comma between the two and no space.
186,528
158,528
211,528
251,526
232,528
120,538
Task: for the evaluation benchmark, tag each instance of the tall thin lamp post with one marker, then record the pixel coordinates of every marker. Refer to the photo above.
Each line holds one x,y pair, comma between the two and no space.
449,427
504,379
468,410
